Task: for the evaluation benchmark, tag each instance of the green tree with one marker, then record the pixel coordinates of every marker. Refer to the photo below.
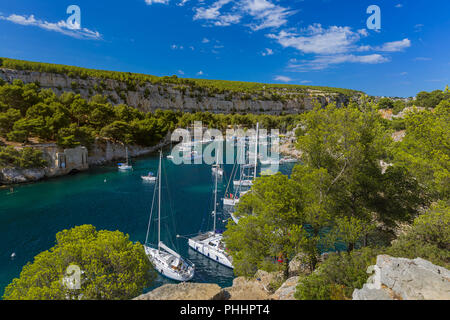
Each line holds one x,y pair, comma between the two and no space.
425,150
349,143
112,268
385,103
337,277
119,131
269,227
7,120
427,238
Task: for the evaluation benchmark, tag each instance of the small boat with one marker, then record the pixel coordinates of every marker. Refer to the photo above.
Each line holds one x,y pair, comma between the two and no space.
125,166
193,156
165,260
243,183
228,201
269,161
217,169
13,255
288,160
247,180
150,177
234,218
210,244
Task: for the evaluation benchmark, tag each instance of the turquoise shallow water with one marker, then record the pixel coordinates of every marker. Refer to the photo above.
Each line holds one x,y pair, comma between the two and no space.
30,217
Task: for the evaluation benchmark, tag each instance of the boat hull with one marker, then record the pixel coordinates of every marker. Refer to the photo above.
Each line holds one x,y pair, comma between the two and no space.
243,183
149,179
156,259
210,253
230,202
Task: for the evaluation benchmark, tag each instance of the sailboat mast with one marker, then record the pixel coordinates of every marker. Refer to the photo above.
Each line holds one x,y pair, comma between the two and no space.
256,148
159,201
215,194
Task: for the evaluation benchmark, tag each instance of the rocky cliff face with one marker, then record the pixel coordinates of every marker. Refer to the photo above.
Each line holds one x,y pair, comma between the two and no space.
63,162
405,279
150,97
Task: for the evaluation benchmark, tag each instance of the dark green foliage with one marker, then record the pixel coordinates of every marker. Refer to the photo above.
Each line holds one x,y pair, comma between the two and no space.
427,238
112,268
338,276
431,99
385,103
25,158
425,150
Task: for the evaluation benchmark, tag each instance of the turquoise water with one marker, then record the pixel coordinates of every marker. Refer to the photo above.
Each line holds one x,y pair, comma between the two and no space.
34,213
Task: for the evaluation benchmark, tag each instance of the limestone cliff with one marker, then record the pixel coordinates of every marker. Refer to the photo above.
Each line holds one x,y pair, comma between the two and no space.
149,97
405,279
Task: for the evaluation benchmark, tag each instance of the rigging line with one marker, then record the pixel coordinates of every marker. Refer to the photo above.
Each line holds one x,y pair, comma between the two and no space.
232,173
205,217
172,215
151,213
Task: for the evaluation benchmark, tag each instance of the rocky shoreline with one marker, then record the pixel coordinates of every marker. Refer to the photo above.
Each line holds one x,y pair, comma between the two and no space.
257,288
392,279
103,152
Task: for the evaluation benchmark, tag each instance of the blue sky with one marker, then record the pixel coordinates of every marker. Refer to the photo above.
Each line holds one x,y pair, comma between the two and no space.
313,42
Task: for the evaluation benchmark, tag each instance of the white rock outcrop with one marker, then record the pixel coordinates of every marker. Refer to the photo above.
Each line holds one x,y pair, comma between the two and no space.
405,279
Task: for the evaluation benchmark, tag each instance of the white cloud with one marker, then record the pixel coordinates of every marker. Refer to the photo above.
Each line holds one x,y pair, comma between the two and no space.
176,47
319,40
323,62
399,5
200,73
266,14
205,40
181,3
283,79
61,26
261,13
267,52
395,46
333,45
213,13
150,2
422,59
181,72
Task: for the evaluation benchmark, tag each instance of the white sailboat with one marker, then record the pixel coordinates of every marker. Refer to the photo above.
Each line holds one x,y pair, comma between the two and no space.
217,169
246,181
165,260
233,199
150,177
288,160
125,166
210,244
